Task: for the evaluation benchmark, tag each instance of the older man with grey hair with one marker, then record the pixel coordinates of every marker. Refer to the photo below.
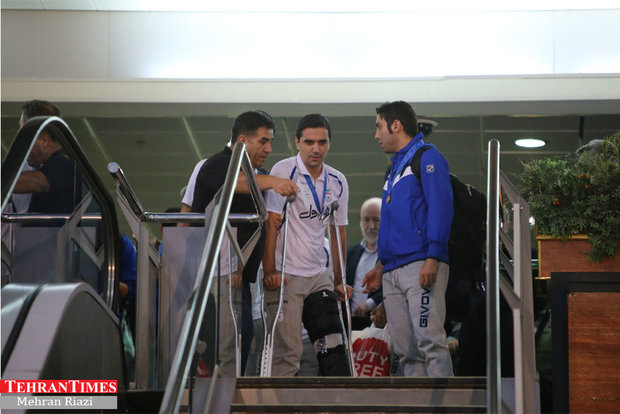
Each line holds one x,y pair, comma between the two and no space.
361,259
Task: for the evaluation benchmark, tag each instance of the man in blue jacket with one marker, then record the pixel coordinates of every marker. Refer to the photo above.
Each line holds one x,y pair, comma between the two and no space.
416,215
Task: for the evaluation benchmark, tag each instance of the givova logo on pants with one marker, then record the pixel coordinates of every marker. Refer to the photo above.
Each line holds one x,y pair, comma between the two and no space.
425,309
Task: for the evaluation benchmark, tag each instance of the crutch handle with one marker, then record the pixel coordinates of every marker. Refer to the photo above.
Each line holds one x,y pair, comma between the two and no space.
291,198
335,205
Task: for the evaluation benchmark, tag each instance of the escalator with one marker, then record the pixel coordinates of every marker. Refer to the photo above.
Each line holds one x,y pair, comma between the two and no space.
61,310
62,331
60,301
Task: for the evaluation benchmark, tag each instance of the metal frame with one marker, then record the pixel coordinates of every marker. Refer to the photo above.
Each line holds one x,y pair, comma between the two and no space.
518,291
146,340
218,221
16,158
189,334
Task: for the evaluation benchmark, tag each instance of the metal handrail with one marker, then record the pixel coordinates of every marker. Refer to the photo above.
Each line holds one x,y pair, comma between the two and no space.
179,372
520,297
16,158
191,218
137,218
517,291
36,217
128,192
494,401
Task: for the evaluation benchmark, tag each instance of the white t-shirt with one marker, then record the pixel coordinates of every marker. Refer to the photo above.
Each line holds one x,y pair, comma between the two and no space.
306,255
188,197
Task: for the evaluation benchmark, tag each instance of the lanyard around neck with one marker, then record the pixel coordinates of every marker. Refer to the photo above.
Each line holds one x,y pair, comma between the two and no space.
319,206
396,169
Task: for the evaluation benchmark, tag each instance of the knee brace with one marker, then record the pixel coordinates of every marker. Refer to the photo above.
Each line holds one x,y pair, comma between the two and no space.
320,315
322,321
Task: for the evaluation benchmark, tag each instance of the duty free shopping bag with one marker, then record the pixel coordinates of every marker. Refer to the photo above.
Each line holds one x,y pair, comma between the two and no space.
371,352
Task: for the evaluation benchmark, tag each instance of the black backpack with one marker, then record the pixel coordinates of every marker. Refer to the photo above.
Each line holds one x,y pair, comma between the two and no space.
466,245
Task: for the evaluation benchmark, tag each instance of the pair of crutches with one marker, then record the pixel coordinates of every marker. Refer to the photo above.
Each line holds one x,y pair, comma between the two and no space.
267,356
346,333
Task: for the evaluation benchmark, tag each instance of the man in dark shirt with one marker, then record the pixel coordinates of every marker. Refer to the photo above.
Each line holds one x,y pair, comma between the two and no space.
256,130
54,183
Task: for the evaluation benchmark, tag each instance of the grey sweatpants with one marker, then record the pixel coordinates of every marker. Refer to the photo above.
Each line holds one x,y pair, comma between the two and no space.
287,344
415,320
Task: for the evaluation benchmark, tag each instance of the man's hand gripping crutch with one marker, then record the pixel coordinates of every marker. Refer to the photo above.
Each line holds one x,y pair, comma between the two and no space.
267,356
345,292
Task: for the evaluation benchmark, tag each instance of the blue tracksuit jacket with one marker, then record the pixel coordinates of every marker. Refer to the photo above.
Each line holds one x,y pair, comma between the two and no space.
416,222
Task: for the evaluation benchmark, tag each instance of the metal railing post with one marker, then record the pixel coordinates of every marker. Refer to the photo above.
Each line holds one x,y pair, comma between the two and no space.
494,401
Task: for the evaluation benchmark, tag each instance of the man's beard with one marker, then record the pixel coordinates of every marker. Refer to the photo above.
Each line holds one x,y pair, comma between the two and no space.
371,238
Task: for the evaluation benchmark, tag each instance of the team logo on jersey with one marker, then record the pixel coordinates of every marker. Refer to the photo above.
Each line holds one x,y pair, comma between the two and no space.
312,213
430,168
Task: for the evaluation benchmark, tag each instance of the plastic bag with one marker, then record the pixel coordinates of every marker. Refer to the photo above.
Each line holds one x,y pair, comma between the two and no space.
371,352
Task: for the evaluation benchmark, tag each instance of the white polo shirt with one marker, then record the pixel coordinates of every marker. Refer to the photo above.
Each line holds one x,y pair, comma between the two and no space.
306,255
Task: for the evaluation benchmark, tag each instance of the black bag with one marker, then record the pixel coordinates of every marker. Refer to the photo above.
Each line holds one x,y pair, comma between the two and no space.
466,245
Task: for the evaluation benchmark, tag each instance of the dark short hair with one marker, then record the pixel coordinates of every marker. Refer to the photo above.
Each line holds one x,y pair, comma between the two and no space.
248,122
313,121
401,110
38,107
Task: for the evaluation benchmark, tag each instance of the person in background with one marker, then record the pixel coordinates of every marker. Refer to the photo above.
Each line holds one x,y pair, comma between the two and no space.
361,259
188,193
128,271
54,182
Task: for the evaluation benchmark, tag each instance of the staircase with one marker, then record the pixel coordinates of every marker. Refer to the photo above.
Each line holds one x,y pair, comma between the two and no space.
360,395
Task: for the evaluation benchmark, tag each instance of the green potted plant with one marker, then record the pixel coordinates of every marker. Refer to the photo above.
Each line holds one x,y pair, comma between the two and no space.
578,194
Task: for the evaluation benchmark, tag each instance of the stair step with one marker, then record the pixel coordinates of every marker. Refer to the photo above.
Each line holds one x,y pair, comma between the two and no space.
355,408
346,394
363,382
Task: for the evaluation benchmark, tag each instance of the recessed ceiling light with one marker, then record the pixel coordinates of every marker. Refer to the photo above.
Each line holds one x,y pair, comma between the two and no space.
530,143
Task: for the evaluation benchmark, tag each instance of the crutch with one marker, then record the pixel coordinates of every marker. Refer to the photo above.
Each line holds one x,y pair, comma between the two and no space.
267,357
343,278
236,330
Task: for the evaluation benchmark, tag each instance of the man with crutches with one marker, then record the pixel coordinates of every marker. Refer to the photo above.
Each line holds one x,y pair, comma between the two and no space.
309,293
255,129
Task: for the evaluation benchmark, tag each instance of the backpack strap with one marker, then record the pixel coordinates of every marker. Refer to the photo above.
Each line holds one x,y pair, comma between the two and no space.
415,162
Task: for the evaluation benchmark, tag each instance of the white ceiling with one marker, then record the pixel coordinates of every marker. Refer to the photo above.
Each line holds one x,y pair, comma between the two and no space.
314,6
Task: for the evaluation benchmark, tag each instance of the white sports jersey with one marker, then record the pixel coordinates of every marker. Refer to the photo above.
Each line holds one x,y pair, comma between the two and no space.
306,254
